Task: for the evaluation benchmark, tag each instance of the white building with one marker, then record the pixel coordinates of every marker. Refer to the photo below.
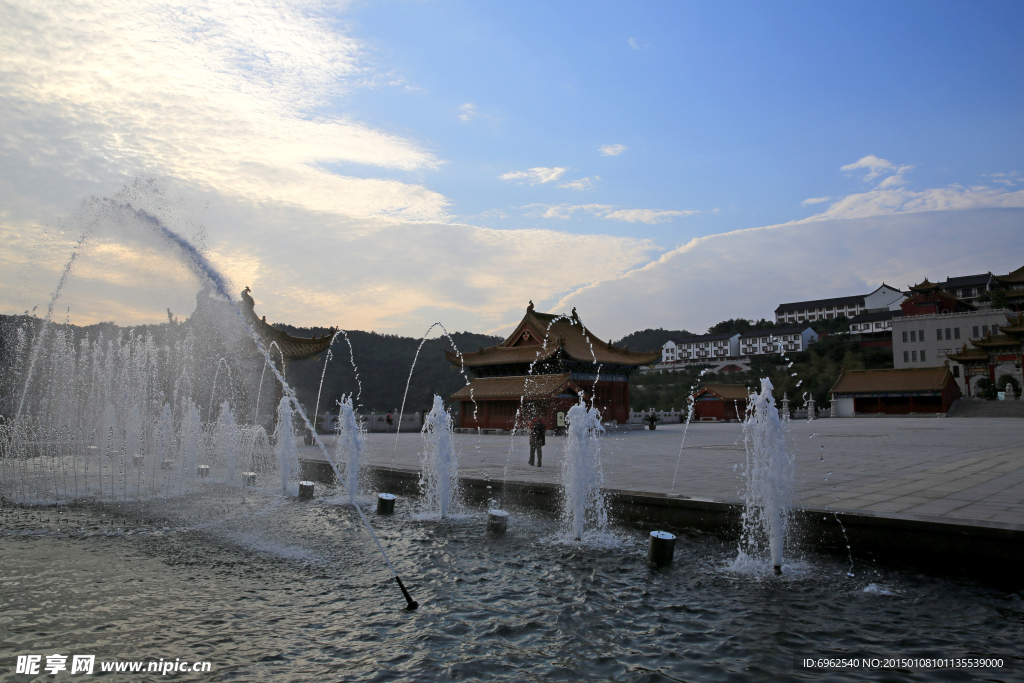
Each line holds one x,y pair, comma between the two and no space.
922,341
779,340
883,298
706,348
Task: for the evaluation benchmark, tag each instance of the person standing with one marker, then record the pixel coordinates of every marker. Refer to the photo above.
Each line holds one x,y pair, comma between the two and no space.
389,420
537,430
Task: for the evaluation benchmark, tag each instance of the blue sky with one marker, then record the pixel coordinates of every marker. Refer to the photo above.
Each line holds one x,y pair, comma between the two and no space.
738,112
386,165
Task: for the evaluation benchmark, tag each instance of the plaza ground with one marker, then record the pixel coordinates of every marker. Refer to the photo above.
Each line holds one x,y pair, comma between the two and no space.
939,469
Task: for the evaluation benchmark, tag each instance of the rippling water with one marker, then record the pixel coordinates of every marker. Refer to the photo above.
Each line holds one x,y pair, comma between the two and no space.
272,589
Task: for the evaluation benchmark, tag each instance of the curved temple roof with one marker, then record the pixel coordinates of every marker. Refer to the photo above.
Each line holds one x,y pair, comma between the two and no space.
292,348
543,335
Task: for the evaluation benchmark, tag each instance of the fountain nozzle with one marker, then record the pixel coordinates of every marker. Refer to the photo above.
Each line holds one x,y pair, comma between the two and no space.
408,598
778,570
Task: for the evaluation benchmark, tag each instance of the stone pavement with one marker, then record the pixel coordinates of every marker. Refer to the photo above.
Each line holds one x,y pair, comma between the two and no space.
941,469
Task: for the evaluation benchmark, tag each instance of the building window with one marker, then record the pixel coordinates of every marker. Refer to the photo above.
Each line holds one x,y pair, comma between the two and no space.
914,356
956,370
906,356
947,334
904,336
922,355
956,333
920,335
913,337
975,335
984,329
938,335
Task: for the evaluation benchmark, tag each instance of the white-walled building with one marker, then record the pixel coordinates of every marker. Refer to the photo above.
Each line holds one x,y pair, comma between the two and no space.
921,341
701,349
779,340
883,298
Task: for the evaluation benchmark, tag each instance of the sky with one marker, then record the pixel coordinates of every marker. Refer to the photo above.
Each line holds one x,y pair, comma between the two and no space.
387,165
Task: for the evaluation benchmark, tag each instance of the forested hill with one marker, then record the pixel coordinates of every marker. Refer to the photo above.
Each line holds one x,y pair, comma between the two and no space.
651,340
383,362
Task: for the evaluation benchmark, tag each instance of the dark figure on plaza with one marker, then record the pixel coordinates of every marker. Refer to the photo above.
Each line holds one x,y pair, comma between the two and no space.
390,420
537,430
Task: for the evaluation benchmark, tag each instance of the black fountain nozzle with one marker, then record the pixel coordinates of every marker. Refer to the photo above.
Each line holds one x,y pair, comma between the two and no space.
408,598
778,570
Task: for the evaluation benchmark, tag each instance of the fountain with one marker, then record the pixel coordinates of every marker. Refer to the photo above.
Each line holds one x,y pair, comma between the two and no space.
769,473
440,470
583,501
349,447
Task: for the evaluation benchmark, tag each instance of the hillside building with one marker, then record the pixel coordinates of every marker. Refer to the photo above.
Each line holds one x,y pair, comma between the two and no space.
701,349
883,298
778,340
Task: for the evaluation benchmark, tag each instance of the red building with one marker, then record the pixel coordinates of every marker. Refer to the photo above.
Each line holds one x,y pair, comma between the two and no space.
717,402
541,370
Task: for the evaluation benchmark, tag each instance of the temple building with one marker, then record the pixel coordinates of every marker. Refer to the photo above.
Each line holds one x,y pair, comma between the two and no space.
542,370
720,402
999,350
894,392
291,347
1013,286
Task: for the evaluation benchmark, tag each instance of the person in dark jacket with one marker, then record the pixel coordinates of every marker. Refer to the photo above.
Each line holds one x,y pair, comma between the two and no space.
537,430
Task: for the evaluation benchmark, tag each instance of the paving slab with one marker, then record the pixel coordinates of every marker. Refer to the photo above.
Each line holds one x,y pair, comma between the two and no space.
944,469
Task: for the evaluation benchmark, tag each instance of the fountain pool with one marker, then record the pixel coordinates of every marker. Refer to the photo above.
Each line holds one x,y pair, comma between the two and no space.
289,591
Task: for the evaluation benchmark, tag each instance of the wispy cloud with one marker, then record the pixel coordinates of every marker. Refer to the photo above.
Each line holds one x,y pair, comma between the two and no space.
612,150
845,253
877,166
887,201
582,183
609,212
539,174
469,111
218,95
815,200
633,43
1011,178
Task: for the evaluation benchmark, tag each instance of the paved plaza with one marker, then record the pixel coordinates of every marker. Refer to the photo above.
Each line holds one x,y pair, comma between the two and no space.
944,469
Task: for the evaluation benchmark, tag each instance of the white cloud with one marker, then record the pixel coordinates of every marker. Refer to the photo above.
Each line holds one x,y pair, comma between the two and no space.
540,174
754,270
609,212
612,150
582,183
876,166
227,97
308,268
815,200
887,201
1011,178
468,111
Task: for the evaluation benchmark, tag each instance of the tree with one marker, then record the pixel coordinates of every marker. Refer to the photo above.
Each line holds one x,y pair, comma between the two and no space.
998,297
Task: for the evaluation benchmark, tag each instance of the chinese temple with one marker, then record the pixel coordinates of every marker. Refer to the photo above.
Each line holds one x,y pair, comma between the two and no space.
992,350
927,298
542,370
1013,285
717,402
292,348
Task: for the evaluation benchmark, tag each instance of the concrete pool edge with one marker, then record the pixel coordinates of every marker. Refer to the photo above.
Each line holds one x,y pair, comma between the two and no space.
990,551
